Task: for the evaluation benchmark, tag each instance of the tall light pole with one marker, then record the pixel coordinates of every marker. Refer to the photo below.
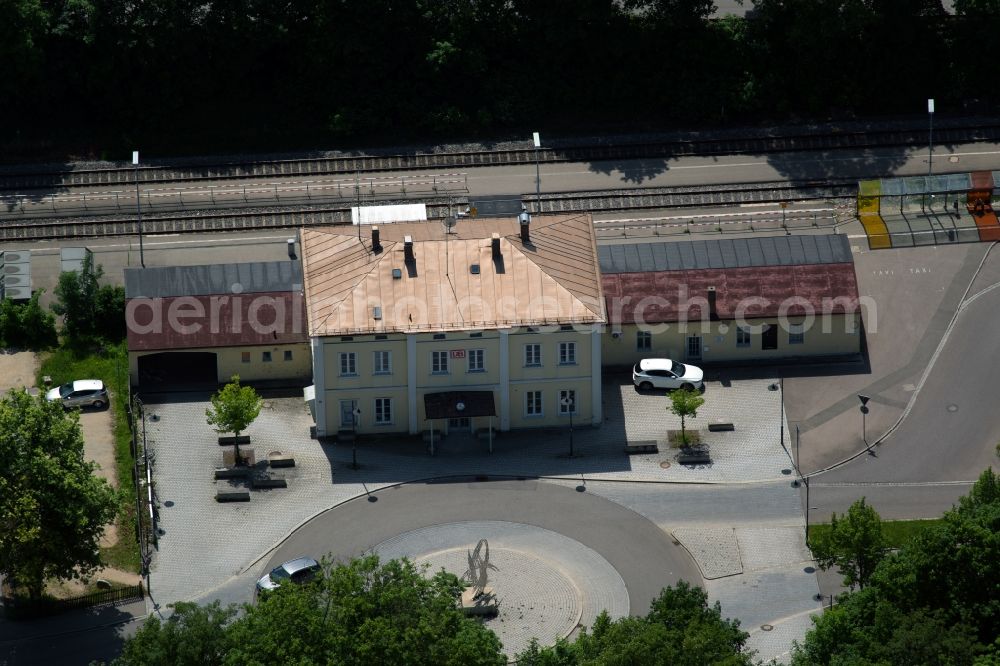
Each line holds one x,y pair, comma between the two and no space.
538,176
138,206
356,413
930,138
567,402
864,426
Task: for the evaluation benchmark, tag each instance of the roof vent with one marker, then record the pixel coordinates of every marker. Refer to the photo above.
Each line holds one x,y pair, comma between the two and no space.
474,269
396,274
495,243
377,312
376,243
408,248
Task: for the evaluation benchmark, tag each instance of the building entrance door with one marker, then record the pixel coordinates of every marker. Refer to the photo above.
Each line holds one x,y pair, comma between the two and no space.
694,348
769,340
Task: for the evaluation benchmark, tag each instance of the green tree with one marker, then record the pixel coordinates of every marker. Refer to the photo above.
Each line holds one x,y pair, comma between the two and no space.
27,325
935,601
234,408
681,629
855,544
91,311
685,403
361,612
53,508
192,636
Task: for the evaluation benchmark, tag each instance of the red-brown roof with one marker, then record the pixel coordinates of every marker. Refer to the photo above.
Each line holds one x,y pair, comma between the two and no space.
669,296
229,320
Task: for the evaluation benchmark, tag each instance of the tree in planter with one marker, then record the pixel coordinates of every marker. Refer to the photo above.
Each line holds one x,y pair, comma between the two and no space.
234,408
855,544
53,508
685,403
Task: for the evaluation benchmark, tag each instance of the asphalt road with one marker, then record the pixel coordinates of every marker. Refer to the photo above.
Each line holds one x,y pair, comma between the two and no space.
641,552
485,182
948,437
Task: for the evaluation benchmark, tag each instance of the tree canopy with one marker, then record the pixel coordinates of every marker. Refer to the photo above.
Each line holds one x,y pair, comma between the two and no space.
855,544
53,508
362,612
91,312
935,601
685,403
681,629
413,70
233,409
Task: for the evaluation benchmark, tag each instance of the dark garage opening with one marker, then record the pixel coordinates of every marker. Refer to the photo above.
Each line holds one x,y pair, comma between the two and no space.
177,371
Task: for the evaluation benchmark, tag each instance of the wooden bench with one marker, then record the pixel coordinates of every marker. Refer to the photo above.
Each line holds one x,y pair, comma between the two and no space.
694,458
721,426
646,446
283,460
231,472
232,441
232,496
268,483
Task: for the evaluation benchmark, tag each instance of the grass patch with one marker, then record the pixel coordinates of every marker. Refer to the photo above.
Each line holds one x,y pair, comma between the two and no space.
675,441
111,367
897,532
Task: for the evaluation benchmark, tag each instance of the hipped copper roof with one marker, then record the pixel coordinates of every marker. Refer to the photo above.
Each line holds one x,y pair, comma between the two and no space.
553,278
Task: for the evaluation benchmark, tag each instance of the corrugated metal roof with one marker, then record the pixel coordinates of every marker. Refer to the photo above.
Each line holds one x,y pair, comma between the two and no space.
725,253
253,277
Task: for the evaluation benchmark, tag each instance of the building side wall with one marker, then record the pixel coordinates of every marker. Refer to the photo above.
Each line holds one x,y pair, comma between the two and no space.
828,335
230,361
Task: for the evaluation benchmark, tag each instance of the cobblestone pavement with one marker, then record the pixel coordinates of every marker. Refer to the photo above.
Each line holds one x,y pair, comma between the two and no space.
226,540
713,548
547,583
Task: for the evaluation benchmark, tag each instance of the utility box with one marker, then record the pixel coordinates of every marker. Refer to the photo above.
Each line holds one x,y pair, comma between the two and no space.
15,274
72,258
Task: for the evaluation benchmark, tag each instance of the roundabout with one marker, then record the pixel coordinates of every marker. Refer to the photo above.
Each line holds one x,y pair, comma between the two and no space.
561,556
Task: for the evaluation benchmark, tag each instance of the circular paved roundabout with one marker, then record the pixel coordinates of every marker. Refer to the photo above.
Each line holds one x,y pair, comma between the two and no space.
561,556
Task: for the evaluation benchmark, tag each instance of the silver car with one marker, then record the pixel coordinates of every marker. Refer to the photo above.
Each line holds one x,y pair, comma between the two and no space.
299,571
81,393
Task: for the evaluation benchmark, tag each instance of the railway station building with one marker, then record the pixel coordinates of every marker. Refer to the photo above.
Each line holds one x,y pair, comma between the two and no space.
197,326
741,300
490,323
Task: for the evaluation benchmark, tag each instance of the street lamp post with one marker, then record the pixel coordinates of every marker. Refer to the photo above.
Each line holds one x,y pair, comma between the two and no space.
138,206
354,440
567,402
864,426
538,176
930,138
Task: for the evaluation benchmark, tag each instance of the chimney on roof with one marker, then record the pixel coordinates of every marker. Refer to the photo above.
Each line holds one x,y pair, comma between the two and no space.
525,219
713,312
376,243
408,249
495,242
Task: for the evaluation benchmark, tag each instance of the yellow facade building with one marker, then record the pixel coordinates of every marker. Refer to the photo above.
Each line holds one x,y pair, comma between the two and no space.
485,323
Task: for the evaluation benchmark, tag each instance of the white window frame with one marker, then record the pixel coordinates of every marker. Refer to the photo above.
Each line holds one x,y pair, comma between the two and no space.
439,359
796,334
530,404
536,352
349,360
382,405
378,367
643,340
743,336
567,353
473,353
563,393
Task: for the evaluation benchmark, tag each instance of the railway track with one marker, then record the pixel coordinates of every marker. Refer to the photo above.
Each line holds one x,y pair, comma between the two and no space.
292,217
351,164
